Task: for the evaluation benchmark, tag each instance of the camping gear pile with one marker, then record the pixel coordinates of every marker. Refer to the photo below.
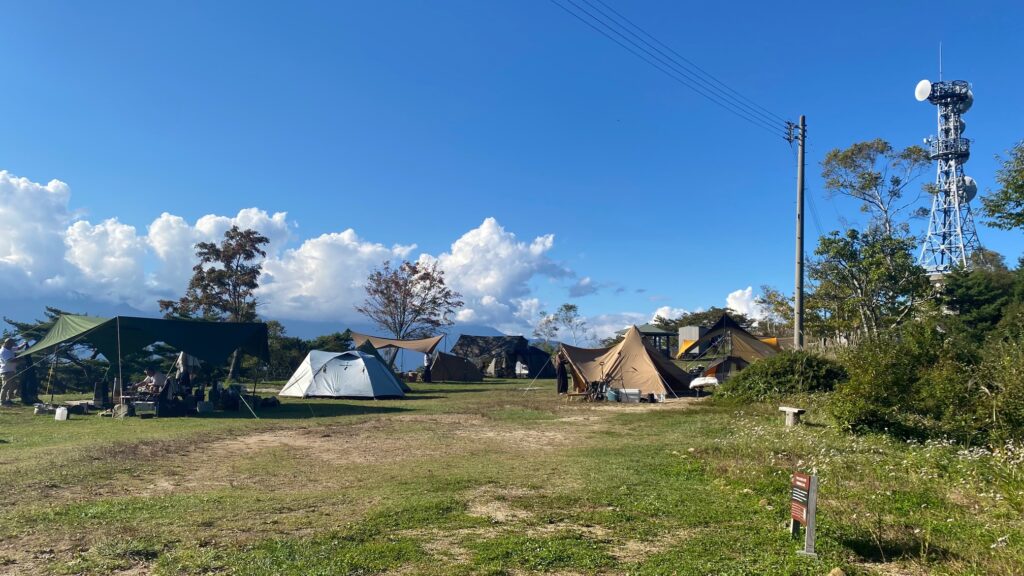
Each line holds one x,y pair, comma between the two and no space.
179,394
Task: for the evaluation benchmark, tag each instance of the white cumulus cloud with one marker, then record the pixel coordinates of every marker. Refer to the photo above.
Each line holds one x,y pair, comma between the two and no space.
34,218
744,302
492,269
324,277
668,313
107,258
45,248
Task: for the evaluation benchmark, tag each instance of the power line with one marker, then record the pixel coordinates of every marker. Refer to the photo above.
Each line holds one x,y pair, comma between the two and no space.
665,67
660,63
704,76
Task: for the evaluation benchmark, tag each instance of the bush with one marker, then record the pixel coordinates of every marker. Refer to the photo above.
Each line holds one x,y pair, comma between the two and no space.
784,373
1001,384
882,373
922,383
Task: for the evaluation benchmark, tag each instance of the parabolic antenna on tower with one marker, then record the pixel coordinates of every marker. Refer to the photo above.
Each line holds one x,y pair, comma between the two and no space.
966,104
970,188
923,90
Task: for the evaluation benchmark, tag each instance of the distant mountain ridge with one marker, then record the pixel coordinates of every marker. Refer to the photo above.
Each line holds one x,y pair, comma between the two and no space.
28,309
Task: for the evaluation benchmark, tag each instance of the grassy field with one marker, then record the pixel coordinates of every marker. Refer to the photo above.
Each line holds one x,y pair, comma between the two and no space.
491,479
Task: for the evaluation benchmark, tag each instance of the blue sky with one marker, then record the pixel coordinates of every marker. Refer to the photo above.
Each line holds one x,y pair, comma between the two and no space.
412,122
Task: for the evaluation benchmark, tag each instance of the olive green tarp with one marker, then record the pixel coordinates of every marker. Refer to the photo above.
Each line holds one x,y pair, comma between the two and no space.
209,341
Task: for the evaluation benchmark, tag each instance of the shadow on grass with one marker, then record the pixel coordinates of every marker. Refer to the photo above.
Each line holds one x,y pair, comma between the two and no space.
869,550
448,390
303,410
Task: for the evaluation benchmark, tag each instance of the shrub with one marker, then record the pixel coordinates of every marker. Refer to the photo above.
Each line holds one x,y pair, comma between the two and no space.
882,374
922,383
784,373
1001,381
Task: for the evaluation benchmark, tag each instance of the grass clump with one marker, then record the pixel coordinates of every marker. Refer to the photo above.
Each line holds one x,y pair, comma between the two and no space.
789,372
561,551
326,556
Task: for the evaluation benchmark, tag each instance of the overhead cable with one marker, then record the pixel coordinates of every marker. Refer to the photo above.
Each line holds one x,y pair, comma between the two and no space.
670,66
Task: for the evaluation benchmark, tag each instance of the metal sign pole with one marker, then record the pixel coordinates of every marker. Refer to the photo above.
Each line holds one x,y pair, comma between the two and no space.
803,510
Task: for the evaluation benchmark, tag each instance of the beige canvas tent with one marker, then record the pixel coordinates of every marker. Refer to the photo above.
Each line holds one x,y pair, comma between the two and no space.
630,364
451,368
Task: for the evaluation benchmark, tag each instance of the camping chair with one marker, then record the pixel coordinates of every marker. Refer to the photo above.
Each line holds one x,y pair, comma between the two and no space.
597,391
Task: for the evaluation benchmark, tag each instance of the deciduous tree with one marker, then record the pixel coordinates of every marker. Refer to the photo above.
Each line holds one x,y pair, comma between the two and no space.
878,176
1005,207
865,283
410,301
566,318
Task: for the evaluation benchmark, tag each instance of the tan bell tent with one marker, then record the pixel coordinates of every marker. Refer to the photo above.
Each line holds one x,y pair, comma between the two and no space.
631,364
451,368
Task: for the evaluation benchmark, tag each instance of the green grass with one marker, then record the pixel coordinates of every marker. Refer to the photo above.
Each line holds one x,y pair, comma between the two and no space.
492,479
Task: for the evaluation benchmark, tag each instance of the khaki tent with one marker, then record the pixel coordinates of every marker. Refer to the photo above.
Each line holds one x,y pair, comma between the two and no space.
450,368
632,364
497,356
742,344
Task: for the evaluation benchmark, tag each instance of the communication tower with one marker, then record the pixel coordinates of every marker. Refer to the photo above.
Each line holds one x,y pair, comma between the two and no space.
952,236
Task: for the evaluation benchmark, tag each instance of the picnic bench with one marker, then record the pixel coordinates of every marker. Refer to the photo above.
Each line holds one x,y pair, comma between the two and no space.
792,414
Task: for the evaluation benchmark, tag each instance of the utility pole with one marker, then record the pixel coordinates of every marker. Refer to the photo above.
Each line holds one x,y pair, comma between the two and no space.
798,295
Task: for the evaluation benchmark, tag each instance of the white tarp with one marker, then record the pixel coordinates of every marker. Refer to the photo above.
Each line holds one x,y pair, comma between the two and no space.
351,374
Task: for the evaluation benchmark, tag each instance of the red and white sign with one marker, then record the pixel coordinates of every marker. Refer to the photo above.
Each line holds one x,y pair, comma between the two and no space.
799,492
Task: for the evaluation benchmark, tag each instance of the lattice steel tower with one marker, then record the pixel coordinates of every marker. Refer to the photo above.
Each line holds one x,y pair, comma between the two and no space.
951,234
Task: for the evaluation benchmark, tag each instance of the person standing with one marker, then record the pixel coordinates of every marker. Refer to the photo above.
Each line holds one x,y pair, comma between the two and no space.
8,371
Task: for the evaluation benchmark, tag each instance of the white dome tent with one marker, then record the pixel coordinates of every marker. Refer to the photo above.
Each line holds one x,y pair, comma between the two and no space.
351,374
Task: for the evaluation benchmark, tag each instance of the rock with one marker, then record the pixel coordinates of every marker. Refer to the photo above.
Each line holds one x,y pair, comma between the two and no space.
836,572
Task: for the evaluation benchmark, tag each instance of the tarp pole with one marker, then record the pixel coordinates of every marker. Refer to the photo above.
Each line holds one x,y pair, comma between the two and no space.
530,385
120,376
53,366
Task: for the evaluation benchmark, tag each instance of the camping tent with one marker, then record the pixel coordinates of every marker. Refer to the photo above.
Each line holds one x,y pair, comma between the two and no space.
368,348
743,344
450,368
630,364
724,367
351,374
497,355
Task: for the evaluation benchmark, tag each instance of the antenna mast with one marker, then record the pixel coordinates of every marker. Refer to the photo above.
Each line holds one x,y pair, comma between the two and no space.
952,236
